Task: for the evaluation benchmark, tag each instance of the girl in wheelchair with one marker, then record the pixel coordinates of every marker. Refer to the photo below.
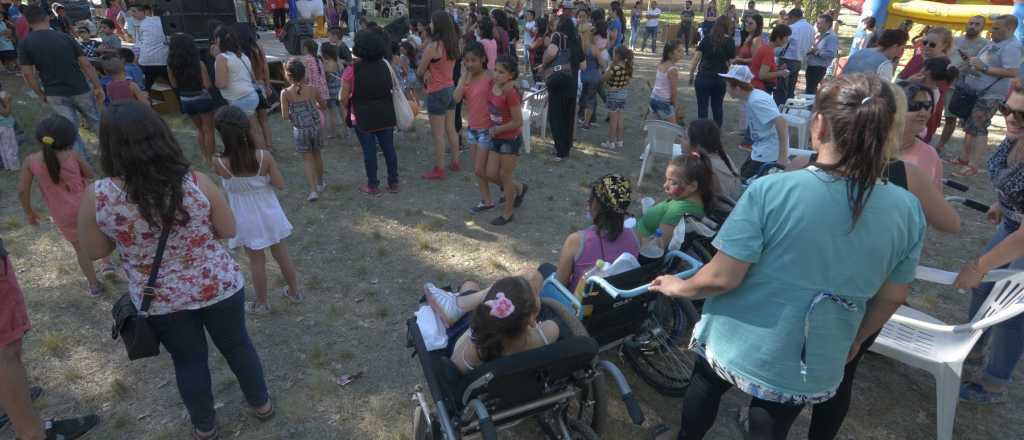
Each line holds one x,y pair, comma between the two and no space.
706,138
502,318
688,185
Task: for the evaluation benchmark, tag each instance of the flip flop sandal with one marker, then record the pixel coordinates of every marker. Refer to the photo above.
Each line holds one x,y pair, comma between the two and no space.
211,436
264,416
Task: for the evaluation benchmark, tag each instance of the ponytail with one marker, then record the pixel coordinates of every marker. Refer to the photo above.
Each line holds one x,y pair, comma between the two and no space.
55,133
696,168
705,134
859,110
488,331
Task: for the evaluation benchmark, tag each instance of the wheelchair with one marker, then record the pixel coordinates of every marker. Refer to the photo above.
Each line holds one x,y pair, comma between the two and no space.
559,385
647,328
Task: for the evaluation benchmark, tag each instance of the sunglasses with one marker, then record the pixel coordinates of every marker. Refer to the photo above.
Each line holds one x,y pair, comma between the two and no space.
916,106
1007,111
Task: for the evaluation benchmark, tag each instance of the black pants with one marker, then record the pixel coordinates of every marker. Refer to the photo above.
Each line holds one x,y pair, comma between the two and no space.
561,109
768,420
710,93
814,76
280,18
790,82
828,416
750,168
684,35
152,73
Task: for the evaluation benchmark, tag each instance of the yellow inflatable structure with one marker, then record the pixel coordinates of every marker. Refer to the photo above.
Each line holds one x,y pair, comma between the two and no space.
953,16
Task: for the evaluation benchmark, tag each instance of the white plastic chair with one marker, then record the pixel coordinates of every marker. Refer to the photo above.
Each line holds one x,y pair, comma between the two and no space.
922,341
535,107
661,139
800,120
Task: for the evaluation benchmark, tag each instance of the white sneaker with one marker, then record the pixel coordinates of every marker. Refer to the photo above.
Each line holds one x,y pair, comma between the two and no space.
313,196
618,144
320,187
444,303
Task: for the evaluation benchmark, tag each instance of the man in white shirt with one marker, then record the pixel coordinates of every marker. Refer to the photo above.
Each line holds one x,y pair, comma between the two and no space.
151,44
964,48
795,52
651,27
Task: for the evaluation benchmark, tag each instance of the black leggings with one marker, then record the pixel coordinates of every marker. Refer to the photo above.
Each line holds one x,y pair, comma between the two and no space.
768,420
828,416
561,109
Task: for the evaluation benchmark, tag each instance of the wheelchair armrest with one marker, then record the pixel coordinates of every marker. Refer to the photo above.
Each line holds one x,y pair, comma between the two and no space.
577,306
615,292
635,413
695,265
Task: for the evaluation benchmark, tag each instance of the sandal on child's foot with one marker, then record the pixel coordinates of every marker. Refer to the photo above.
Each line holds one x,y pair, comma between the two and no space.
502,220
312,197
107,270
295,297
255,308
95,290
209,435
481,207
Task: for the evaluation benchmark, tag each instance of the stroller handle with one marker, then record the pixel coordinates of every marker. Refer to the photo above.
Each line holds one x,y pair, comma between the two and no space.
616,293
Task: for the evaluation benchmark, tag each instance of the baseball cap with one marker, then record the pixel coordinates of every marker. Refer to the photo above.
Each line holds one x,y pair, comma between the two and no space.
739,73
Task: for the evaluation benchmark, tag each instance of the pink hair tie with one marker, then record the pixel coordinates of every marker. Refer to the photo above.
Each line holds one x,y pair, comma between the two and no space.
501,307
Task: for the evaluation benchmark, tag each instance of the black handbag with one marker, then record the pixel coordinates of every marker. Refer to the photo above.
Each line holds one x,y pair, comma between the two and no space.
131,324
961,103
558,73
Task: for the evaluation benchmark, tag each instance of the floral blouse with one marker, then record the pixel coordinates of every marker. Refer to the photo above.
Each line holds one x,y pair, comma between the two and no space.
196,271
1008,181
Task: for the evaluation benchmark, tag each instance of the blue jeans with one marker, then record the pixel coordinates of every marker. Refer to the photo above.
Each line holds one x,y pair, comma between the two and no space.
652,33
182,335
634,32
386,139
710,93
70,107
1007,338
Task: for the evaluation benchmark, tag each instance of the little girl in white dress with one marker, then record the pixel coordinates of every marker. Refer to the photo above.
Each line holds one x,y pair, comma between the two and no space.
249,177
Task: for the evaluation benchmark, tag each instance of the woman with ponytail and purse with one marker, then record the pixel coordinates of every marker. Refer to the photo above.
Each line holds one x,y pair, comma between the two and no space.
165,221
780,332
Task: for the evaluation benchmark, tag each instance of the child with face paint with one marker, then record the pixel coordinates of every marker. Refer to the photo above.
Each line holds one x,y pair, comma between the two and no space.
688,185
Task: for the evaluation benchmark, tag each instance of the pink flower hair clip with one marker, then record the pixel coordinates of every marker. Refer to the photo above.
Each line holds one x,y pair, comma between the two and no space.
501,307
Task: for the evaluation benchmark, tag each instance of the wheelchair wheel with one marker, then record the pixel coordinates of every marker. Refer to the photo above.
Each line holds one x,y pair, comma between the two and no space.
590,406
655,353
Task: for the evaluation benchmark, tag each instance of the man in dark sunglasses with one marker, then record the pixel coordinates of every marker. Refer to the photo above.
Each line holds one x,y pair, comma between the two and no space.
988,76
964,48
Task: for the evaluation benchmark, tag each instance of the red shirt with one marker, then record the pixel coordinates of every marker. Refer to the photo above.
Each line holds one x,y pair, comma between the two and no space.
765,56
500,108
21,27
277,4
476,97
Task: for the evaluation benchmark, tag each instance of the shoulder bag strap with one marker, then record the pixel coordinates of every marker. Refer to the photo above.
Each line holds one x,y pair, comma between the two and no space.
149,290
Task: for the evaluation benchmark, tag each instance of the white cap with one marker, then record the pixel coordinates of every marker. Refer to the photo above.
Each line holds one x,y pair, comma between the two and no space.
739,73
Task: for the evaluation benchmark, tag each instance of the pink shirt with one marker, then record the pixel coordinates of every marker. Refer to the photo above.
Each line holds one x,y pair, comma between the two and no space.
500,107
491,50
441,70
348,77
475,97
924,157
62,199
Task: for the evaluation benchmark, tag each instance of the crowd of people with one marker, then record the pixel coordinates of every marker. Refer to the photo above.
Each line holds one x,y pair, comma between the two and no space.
874,178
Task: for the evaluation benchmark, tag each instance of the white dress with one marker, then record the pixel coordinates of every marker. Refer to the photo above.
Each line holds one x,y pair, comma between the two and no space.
260,221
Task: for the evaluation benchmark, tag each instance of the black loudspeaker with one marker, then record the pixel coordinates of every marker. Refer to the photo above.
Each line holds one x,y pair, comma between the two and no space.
420,10
193,17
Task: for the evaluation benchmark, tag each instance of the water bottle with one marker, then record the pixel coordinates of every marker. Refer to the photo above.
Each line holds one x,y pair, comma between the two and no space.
678,236
652,250
597,270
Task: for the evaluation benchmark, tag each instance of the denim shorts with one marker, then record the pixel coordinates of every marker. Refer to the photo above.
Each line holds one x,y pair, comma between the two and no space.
615,100
481,138
508,146
246,103
197,105
439,102
662,108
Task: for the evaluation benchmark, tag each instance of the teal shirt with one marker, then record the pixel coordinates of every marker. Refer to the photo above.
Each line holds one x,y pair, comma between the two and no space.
794,229
668,212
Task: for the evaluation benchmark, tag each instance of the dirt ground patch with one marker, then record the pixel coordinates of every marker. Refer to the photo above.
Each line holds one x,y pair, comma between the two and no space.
362,262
